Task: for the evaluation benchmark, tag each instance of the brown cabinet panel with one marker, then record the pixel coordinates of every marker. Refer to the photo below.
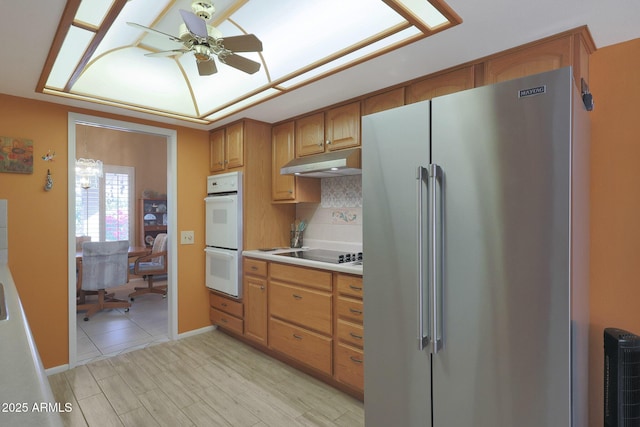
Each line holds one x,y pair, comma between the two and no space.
384,101
283,187
225,304
216,151
255,319
350,285
310,135
350,308
350,333
439,85
305,307
225,320
538,58
349,366
254,267
234,145
342,127
305,346
301,275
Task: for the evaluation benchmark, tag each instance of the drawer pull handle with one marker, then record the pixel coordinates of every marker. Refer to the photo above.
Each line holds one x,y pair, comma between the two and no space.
297,296
298,337
358,337
254,268
224,304
354,311
355,359
223,320
355,288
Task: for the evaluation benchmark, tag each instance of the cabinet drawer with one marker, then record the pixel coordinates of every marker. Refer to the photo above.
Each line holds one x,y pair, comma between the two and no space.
351,333
350,308
255,267
350,285
349,366
308,347
234,308
225,320
305,307
304,276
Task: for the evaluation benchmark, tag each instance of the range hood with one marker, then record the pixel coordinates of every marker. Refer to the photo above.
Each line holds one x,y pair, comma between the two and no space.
326,165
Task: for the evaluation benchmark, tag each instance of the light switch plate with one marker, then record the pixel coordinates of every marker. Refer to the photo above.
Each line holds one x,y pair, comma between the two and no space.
186,238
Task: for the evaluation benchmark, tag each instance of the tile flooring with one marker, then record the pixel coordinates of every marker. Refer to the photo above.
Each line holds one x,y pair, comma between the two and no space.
113,331
208,379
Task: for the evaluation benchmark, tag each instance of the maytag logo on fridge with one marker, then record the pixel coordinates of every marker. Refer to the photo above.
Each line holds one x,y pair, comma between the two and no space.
532,91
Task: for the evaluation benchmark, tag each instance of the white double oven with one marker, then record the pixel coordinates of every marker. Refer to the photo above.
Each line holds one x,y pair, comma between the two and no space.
224,233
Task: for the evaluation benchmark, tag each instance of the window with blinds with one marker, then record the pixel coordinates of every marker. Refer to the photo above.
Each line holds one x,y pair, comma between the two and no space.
105,211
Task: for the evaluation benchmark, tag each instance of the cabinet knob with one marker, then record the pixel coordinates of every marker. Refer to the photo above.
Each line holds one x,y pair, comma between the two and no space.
320,144
262,288
328,142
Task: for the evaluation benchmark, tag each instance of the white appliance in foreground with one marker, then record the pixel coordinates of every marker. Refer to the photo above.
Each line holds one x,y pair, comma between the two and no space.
476,234
223,233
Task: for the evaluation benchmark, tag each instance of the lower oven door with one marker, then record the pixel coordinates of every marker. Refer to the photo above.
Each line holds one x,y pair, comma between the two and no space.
223,271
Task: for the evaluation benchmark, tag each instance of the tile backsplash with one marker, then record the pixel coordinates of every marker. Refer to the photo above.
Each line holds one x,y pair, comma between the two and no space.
337,219
4,239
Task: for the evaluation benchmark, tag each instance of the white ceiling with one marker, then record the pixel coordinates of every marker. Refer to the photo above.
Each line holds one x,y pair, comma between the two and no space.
488,27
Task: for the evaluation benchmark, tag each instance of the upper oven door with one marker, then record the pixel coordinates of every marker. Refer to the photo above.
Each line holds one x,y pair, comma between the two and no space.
222,225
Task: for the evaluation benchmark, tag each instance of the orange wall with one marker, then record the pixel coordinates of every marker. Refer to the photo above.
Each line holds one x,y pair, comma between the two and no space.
615,204
38,222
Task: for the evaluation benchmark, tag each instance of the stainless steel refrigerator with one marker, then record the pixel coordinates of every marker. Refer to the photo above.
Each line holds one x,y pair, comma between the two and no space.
475,235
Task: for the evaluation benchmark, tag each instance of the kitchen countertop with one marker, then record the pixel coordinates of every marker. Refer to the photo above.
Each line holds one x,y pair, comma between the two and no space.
25,394
272,255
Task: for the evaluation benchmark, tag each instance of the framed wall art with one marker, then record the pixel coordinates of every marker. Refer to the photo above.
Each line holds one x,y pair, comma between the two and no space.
16,155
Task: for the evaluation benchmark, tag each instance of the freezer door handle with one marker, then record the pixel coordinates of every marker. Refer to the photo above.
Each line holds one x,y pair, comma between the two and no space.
435,281
422,178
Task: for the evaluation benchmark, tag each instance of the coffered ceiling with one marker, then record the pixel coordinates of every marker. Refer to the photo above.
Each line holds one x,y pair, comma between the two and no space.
115,76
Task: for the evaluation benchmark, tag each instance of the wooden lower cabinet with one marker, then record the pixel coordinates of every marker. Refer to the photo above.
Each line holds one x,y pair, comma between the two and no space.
349,342
349,365
308,347
226,313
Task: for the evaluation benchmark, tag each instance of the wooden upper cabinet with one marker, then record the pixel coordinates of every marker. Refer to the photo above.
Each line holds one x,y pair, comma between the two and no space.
383,101
283,149
226,148
441,84
234,145
572,48
216,151
310,135
342,127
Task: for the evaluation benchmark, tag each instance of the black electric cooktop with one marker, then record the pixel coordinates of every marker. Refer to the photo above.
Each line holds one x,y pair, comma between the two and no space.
325,255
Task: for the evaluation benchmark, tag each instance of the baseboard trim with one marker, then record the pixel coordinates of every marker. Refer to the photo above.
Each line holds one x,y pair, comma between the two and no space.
56,369
197,332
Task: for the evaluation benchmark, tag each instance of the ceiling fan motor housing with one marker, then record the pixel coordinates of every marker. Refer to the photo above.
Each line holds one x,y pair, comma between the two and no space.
203,8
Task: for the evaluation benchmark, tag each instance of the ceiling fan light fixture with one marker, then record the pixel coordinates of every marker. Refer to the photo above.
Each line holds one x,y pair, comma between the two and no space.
204,9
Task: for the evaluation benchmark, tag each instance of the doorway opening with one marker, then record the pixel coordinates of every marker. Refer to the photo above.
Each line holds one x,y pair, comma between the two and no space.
165,142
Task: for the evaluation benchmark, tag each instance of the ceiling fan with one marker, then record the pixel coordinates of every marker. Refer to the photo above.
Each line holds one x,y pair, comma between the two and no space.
206,41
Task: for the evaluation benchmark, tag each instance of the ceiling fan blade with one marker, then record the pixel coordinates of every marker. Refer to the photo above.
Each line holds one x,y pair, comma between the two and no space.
244,43
195,24
167,52
241,63
206,68
151,30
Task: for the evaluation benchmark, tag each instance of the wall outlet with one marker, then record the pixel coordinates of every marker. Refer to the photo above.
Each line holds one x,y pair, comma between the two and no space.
186,238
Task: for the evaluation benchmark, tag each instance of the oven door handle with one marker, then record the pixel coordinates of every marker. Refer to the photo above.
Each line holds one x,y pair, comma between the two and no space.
219,254
220,199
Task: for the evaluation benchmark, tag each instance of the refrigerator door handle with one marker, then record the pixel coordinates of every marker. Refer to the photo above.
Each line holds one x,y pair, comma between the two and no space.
423,340
435,226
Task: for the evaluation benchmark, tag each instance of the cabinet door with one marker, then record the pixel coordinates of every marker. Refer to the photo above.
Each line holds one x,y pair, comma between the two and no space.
255,297
546,56
384,101
443,84
283,187
235,146
343,126
216,151
310,135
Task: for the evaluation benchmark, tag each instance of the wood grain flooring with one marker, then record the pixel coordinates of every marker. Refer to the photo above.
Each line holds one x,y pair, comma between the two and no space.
208,380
